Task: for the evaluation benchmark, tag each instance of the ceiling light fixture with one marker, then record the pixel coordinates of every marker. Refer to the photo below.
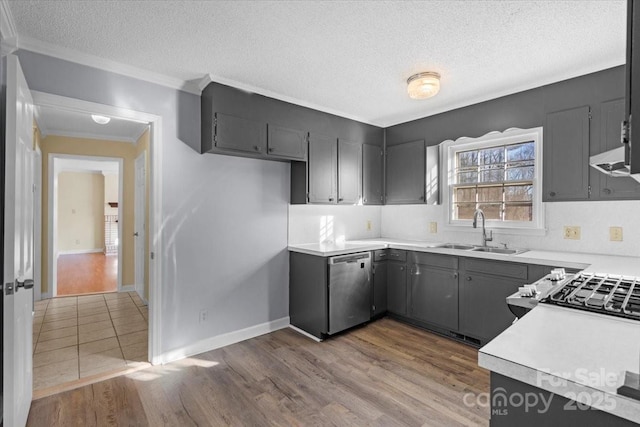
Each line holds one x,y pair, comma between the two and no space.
101,120
423,85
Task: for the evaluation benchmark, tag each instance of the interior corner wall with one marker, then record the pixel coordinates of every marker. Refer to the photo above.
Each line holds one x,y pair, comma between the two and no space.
53,144
142,146
80,212
224,219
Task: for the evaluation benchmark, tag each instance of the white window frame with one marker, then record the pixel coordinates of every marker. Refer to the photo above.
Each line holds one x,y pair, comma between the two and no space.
510,136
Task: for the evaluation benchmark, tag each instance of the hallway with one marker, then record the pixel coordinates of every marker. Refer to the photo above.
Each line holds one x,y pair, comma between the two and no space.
90,273
79,337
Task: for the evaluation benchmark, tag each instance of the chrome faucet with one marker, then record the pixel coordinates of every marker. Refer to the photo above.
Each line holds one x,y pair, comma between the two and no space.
485,239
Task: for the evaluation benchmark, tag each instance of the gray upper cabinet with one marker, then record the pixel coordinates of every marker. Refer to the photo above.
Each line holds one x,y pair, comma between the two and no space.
239,134
372,161
406,173
611,115
287,143
566,155
349,172
322,169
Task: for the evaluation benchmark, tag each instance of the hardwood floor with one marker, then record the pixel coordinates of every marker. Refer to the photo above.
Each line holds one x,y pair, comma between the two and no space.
80,274
385,373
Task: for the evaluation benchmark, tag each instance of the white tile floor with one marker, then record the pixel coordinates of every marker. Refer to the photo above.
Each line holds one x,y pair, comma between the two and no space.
77,337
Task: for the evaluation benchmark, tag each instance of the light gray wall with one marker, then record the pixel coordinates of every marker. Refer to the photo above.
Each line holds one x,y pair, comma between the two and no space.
224,218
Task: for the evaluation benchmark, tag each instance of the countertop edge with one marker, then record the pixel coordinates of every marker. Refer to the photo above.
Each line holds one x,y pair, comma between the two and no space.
625,407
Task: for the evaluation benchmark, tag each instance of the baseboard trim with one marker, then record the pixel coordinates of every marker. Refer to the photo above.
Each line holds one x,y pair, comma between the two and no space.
45,295
140,293
127,288
81,251
223,340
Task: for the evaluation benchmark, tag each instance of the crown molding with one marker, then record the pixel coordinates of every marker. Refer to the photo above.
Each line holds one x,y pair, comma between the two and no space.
7,29
88,135
71,55
209,78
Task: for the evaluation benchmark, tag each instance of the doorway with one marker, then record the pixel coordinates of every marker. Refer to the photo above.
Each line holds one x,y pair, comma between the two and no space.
81,339
85,205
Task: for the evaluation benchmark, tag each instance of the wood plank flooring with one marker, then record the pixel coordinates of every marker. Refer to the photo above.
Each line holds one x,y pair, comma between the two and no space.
383,374
80,274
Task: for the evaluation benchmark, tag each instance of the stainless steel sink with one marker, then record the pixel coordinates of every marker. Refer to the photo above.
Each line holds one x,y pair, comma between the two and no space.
504,251
456,246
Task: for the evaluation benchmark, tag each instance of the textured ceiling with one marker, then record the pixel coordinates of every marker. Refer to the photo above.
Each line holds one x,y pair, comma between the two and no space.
54,121
347,57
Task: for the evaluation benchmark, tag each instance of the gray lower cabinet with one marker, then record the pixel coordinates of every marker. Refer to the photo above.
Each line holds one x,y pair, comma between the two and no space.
372,161
434,296
308,294
286,143
484,287
322,164
379,292
566,155
239,134
397,282
405,173
349,172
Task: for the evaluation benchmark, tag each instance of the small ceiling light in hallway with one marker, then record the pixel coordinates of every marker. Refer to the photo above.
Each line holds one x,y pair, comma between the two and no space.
102,120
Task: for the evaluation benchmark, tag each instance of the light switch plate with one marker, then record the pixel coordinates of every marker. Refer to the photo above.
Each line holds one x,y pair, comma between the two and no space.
433,227
369,226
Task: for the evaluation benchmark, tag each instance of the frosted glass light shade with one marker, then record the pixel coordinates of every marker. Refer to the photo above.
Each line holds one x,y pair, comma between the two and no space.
423,85
103,120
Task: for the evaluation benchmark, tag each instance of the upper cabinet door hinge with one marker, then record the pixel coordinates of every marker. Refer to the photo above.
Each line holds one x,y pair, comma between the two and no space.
33,188
589,189
590,114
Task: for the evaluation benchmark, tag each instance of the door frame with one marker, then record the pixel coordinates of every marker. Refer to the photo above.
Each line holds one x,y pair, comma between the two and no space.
37,225
155,238
52,217
139,287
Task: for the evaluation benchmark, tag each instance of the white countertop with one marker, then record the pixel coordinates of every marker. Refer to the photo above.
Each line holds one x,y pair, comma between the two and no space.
580,355
605,264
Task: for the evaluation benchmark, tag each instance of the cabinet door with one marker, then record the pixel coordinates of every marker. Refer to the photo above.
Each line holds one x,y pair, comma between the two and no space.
406,173
349,172
379,288
286,143
397,288
236,133
372,158
323,161
483,308
434,296
611,115
566,155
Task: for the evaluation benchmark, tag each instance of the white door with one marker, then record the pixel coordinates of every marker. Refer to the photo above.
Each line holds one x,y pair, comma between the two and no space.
18,249
139,221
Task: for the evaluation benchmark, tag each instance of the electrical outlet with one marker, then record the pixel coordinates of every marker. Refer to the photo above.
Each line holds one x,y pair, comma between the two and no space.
615,234
203,316
369,225
433,227
572,232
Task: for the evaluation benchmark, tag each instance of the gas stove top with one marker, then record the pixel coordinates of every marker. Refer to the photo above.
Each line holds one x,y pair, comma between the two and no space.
606,294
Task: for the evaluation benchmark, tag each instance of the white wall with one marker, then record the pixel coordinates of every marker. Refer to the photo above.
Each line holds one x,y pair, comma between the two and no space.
412,222
326,223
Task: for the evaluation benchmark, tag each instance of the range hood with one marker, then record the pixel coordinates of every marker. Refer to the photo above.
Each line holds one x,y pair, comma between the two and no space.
612,163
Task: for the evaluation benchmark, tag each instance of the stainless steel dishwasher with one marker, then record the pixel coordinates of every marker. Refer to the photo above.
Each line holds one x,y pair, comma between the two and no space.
349,291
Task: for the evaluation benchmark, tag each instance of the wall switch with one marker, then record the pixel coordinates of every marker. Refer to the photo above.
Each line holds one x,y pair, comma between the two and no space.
572,232
369,225
203,316
615,234
77,242
433,227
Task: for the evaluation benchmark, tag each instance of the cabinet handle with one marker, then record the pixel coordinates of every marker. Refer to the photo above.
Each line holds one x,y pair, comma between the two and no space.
606,191
382,255
340,199
401,268
256,148
455,275
552,194
271,150
468,279
331,199
364,200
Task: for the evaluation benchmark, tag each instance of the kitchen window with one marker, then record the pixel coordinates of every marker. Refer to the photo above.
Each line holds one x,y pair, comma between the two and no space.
500,173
